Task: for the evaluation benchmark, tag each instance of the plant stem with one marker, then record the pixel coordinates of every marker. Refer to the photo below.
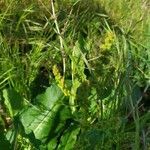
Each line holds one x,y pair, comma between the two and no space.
60,37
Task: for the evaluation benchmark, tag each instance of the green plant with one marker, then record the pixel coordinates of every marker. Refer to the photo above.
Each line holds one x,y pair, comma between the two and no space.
74,74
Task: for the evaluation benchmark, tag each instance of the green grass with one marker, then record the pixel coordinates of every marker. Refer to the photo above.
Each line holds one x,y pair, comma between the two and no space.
74,74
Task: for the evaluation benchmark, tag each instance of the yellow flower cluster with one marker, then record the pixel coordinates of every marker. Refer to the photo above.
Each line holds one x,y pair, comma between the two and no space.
60,81
108,41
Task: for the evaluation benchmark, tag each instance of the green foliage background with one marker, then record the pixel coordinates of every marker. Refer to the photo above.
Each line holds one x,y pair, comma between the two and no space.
74,74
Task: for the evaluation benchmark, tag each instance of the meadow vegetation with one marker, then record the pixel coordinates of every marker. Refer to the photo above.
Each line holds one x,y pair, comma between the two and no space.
74,74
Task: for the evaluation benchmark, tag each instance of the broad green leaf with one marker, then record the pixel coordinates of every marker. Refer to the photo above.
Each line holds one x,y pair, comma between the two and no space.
52,144
10,135
39,122
48,122
69,138
13,101
52,95
45,123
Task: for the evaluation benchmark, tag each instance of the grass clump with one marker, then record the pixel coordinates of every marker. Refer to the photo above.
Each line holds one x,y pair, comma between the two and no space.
74,74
